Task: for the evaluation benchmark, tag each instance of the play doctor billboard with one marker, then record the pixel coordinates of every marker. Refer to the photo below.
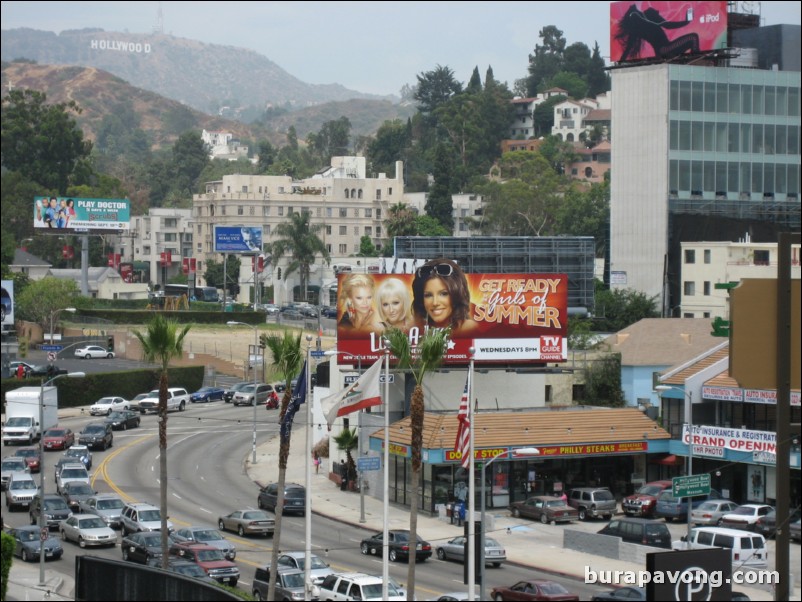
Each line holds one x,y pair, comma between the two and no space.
57,214
238,239
516,318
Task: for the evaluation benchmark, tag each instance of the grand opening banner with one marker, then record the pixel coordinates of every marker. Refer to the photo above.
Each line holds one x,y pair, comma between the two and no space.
507,318
58,214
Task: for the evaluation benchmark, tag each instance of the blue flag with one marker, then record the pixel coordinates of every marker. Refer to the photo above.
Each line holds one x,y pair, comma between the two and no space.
298,397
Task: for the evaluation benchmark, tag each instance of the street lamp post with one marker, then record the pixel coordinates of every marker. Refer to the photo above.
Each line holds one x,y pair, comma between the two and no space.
521,452
333,352
255,355
53,315
43,528
689,421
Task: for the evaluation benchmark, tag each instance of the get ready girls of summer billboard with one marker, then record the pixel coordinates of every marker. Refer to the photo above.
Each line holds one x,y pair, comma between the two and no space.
665,30
57,214
506,318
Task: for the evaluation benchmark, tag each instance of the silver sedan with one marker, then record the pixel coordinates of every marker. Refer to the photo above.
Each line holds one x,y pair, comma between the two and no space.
247,522
495,553
709,513
87,530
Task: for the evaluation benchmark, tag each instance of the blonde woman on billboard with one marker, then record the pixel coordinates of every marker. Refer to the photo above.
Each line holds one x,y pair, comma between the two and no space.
394,305
356,302
441,297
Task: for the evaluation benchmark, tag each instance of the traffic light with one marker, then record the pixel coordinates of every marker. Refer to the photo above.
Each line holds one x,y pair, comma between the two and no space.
262,341
278,273
111,343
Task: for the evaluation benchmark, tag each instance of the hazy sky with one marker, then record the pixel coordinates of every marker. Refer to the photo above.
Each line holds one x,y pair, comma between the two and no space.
373,47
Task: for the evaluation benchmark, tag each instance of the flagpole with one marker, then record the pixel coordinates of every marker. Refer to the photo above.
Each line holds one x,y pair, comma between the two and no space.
386,487
471,491
309,446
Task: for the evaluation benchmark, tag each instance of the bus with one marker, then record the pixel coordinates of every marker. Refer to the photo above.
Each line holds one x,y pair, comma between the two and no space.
201,293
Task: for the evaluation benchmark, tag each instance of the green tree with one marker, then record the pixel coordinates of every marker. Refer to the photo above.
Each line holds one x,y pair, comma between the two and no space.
618,308
42,141
189,158
428,226
366,247
347,441
603,383
571,82
388,145
162,343
214,272
286,359
332,140
598,78
400,221
425,359
267,155
543,115
576,60
298,238
439,205
37,302
435,88
546,61
586,213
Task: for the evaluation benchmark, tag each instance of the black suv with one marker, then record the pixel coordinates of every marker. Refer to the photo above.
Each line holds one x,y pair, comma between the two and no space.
56,510
97,435
643,531
294,498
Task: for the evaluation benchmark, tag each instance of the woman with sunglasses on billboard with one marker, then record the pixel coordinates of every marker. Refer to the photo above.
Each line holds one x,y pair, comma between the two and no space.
441,298
356,303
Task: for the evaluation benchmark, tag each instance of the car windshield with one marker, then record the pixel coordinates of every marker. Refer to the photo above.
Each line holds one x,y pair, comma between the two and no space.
208,535
190,570
149,515
75,453
555,503
117,415
374,591
79,489
25,484
141,396
604,496
91,523
295,492
154,538
18,421
55,433
650,490
255,515
491,543
210,555
248,389
12,465
94,430
109,504
104,401
73,473
27,535
293,580
26,453
708,506
56,505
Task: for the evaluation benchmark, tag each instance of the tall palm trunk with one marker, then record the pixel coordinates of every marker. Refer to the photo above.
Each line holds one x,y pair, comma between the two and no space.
283,455
416,423
163,466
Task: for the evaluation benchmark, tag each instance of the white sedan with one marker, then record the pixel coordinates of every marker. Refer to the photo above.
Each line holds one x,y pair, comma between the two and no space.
106,405
87,530
92,351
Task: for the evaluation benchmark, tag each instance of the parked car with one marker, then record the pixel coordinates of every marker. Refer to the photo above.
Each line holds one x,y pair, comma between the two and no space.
97,435
20,490
31,457
56,510
229,393
670,507
318,571
357,586
142,547
643,501
80,453
93,351
767,525
745,517
58,438
106,405
269,308
137,398
208,536
76,492
748,549
454,549
622,594
710,512
123,420
69,472
28,544
545,508
87,530
794,531
10,465
289,584
399,546
328,312
643,531
210,559
108,506
205,394
533,589
142,517
33,370
294,498
247,522
246,396
592,502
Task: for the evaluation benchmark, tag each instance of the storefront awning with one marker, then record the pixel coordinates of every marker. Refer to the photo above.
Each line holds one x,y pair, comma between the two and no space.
670,460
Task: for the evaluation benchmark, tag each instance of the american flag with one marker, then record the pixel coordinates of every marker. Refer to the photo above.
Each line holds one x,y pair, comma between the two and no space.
463,442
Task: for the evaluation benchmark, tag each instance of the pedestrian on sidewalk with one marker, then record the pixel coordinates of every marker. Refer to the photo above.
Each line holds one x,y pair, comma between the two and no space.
316,462
344,476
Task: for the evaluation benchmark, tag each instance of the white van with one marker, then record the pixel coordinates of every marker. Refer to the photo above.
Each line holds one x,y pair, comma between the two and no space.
748,549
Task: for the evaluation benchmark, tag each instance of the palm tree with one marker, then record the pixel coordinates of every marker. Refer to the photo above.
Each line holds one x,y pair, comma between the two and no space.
163,342
348,441
401,221
299,239
287,357
427,358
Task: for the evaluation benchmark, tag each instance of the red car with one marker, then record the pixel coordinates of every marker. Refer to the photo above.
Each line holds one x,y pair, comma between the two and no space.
58,438
644,501
31,455
534,589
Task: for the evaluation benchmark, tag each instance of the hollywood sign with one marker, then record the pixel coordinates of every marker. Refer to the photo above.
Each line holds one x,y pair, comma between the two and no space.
119,46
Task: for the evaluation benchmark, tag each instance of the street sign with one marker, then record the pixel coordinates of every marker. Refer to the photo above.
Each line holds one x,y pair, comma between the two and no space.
690,486
316,353
51,347
368,463
51,356
350,379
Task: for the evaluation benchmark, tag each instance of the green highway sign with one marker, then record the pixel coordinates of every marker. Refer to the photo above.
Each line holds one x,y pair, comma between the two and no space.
690,486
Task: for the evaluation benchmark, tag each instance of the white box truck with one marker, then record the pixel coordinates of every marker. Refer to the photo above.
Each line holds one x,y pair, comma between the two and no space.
22,414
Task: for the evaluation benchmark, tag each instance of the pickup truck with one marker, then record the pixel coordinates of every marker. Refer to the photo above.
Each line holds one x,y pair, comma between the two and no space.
177,400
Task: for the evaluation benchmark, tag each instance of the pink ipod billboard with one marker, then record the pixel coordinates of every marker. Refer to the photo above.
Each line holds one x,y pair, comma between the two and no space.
515,318
665,30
